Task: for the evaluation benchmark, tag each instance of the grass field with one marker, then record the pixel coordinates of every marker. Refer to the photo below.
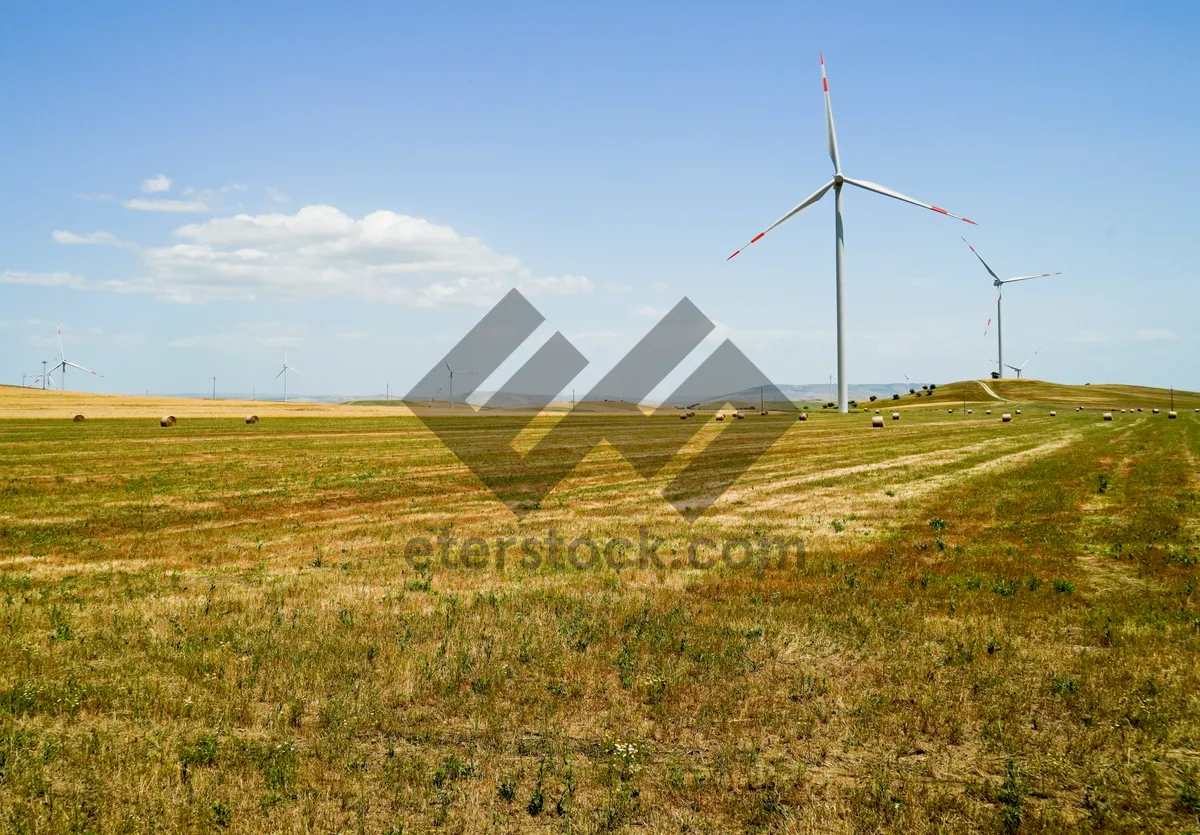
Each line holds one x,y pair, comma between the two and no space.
222,627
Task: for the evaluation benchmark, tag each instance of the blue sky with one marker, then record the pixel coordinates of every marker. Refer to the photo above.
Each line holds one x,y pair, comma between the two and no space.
356,185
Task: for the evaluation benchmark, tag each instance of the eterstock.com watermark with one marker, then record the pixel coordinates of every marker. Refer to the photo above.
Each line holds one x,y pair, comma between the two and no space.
447,550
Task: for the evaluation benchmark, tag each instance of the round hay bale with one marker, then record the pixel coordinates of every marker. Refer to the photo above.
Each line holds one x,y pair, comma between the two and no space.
252,419
1139,408
1006,418
876,411
877,422
763,413
1122,411
168,420
1018,411
681,417
720,416
949,411
895,416
78,418
989,411
1054,414
1156,411
1108,415
739,415
1171,414
970,411
803,416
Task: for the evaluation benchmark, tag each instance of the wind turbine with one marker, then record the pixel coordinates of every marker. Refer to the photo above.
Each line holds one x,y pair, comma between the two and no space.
836,184
62,363
999,284
283,372
1021,367
452,372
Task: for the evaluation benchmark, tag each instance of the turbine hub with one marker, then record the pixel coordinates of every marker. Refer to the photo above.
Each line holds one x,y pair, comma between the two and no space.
838,179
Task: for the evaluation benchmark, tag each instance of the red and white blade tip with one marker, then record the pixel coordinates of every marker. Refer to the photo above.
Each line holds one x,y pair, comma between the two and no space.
960,217
755,239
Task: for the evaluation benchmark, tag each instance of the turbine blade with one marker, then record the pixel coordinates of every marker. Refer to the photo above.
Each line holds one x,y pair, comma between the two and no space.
832,134
295,370
989,321
81,368
280,374
887,192
61,352
1026,277
991,272
808,201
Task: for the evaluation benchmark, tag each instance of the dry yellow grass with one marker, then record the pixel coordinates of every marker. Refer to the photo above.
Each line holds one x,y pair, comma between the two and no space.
994,627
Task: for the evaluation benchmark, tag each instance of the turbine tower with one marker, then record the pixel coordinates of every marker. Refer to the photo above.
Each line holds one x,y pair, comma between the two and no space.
63,364
1021,367
283,372
836,184
999,284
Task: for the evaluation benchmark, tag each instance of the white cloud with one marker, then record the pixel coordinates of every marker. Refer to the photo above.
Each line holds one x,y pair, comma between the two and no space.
648,312
156,185
320,252
1154,335
276,195
96,238
610,287
177,206
55,279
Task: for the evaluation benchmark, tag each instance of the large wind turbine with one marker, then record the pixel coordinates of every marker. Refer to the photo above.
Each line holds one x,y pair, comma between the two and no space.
1021,367
283,372
452,372
836,184
63,364
999,284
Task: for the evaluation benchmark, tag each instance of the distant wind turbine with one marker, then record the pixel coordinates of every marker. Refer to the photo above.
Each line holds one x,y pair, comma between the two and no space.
63,364
452,372
1021,367
999,283
836,184
283,373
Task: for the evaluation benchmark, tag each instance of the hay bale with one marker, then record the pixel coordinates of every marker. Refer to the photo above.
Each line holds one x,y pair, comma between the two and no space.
1139,408
1054,414
252,419
989,411
1156,411
720,416
877,422
739,415
803,416
949,411
895,416
876,411
1006,418
1171,414
78,418
683,416
970,411
1108,415
168,420
1018,411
